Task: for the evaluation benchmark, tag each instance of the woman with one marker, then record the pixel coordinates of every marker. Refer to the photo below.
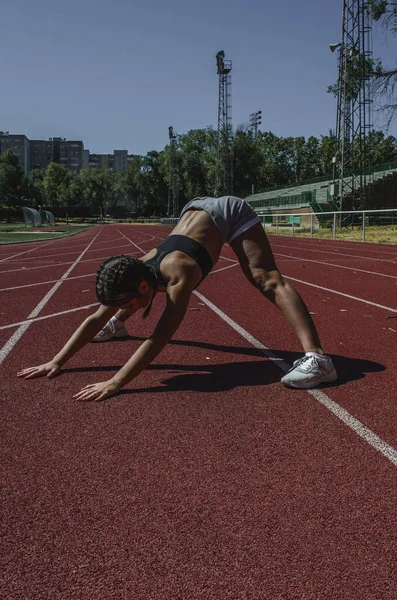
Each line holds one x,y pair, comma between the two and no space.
176,267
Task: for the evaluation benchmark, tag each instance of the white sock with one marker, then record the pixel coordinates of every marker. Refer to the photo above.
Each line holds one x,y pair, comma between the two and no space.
117,323
320,356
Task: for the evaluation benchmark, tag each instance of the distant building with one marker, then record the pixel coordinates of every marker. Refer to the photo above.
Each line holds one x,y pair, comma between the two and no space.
41,154
86,159
68,153
118,161
101,161
20,145
38,154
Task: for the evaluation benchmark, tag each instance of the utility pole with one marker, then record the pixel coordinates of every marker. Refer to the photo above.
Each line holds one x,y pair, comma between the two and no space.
224,159
354,108
173,186
255,121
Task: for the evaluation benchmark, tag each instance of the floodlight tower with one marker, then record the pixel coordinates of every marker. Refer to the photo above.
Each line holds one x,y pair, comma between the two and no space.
354,108
255,121
224,160
173,187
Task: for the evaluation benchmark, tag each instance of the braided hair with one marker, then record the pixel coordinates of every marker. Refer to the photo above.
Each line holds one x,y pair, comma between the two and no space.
118,280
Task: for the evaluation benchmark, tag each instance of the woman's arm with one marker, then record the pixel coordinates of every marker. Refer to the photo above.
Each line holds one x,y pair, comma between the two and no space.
178,297
82,336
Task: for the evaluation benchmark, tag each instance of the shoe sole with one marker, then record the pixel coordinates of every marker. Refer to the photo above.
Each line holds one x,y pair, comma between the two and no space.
117,334
327,379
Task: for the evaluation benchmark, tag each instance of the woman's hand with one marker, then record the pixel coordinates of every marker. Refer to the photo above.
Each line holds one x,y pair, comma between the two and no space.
97,391
48,369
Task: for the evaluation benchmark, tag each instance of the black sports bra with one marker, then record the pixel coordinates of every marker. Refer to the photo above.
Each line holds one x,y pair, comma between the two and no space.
184,244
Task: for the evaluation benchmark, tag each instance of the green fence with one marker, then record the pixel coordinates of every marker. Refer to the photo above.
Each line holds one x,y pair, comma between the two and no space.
302,199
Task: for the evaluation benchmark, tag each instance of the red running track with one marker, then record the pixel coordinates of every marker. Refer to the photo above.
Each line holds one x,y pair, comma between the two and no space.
205,478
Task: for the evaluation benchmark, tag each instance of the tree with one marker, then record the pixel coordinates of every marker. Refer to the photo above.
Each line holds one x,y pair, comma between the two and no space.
99,189
383,148
152,187
36,186
75,195
130,183
247,162
328,148
56,186
380,149
278,159
385,79
197,148
13,182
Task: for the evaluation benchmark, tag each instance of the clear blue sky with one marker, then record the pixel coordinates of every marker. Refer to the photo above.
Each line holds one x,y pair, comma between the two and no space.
117,73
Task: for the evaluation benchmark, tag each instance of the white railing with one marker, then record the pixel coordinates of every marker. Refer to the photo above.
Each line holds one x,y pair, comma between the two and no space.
337,220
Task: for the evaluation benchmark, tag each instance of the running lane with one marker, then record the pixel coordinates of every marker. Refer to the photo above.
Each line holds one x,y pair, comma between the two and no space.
18,334
205,478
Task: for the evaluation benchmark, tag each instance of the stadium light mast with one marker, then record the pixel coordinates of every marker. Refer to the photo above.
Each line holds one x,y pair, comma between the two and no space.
224,158
255,121
354,106
173,185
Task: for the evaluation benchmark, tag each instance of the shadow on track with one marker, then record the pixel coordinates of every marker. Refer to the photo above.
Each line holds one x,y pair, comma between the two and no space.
227,376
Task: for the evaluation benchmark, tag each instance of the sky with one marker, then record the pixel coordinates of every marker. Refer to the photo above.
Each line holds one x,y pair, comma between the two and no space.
117,73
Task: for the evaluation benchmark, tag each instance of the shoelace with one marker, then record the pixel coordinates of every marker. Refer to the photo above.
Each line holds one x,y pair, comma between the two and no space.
306,363
109,326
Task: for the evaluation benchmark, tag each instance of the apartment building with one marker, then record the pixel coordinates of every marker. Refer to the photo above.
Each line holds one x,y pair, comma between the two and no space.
20,145
38,154
68,153
118,161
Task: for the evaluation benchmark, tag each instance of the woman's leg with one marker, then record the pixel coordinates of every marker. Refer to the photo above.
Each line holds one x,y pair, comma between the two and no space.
258,264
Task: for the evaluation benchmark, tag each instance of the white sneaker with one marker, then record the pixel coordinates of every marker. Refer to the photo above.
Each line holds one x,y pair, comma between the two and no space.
109,332
309,371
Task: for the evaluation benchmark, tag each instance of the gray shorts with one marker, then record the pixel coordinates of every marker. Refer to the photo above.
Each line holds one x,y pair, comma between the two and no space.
230,214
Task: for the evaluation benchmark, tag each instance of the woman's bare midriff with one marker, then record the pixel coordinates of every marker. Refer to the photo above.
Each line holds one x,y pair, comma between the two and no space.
198,225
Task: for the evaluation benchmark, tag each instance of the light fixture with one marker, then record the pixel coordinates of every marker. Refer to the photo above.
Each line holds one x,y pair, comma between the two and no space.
333,47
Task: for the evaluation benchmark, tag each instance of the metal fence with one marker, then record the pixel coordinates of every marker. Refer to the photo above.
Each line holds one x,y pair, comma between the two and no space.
353,225
366,225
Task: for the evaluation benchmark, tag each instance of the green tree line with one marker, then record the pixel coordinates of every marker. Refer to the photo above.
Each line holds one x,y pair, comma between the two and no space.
143,188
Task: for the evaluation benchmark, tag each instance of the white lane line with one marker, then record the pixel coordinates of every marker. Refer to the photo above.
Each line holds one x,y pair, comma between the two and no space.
354,424
64,312
36,258
317,286
145,251
331,246
80,244
26,251
344,254
28,285
57,314
37,245
6,349
152,237
343,415
55,264
320,262
329,290
222,269
341,294
162,238
235,263
131,242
